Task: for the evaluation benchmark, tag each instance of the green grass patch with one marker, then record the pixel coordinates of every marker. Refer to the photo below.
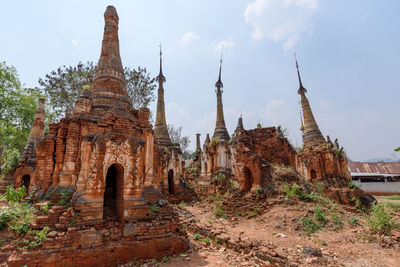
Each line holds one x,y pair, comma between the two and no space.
392,197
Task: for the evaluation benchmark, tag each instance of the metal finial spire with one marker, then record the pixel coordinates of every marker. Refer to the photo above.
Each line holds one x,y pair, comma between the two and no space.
160,76
219,83
301,90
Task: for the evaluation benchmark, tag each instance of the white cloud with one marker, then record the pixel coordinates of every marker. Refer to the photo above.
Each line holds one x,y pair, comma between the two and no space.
188,37
74,43
282,21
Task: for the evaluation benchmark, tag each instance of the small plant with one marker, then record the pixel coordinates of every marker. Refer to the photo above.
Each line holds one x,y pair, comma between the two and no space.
309,225
182,205
165,259
13,195
39,238
218,240
353,221
22,217
258,191
45,208
153,209
214,141
380,220
219,212
337,220
5,217
64,198
196,236
290,191
206,240
352,185
319,214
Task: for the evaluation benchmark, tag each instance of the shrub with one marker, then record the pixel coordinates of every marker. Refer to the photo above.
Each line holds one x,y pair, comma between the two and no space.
13,195
214,141
319,214
380,220
352,185
309,225
205,240
353,221
40,236
22,217
153,209
219,212
5,217
45,208
196,236
64,198
182,205
337,220
291,190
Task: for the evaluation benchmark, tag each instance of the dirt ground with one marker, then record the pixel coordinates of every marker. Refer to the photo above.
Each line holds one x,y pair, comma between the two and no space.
275,237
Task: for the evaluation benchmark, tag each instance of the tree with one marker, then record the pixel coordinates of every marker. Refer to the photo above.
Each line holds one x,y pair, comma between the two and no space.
64,85
176,137
397,149
17,108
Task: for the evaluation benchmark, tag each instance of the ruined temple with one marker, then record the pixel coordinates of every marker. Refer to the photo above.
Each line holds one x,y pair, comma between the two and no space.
251,156
171,168
106,160
318,160
217,157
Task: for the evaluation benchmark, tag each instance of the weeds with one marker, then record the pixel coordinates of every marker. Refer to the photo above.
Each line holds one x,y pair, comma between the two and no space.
64,198
45,208
219,212
337,220
153,209
353,221
13,195
380,220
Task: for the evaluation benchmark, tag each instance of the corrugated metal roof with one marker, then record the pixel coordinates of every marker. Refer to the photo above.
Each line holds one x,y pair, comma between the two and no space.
374,167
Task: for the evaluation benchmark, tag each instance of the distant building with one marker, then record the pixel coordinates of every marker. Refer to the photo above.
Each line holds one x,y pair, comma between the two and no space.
379,178
375,171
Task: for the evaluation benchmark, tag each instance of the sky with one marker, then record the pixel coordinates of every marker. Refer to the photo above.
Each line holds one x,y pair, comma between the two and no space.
348,52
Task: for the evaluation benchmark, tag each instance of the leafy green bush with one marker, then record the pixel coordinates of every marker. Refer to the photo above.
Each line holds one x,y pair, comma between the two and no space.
13,195
5,217
290,191
380,220
39,238
23,215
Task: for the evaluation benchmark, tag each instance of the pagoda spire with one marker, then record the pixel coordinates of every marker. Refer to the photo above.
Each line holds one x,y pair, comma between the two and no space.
311,133
220,131
160,127
239,126
109,79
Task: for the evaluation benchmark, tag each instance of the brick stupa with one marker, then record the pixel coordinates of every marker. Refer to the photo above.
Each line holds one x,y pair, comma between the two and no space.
104,155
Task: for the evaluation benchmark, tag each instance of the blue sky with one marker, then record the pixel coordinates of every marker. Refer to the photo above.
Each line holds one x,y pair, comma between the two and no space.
348,53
